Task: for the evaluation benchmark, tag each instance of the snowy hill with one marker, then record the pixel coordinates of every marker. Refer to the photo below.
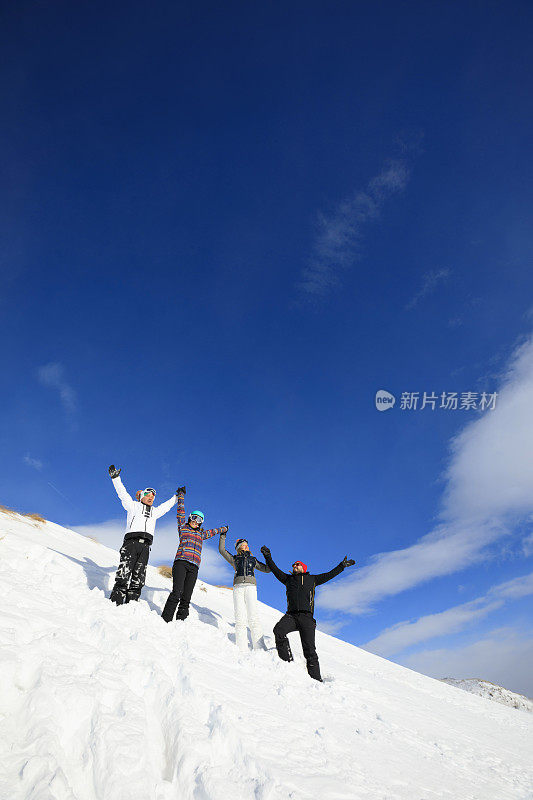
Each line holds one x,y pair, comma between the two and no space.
106,703
492,692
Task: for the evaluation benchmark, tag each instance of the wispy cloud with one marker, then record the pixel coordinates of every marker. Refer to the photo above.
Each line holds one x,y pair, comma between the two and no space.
406,634
33,462
340,234
331,626
488,487
527,545
213,569
430,281
504,657
53,376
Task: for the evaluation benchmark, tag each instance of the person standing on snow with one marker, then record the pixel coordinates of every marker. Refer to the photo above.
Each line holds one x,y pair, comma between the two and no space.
187,560
300,586
244,591
140,527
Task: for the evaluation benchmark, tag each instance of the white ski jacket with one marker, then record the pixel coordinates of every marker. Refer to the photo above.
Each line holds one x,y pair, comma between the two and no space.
141,518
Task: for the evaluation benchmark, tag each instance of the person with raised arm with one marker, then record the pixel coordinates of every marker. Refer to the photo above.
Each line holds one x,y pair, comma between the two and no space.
244,591
142,516
300,586
187,560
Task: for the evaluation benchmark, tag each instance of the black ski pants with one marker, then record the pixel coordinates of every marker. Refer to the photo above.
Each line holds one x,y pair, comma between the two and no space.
305,624
131,573
184,576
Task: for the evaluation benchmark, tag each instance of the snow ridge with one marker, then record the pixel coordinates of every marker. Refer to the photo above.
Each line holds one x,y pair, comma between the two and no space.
106,703
492,692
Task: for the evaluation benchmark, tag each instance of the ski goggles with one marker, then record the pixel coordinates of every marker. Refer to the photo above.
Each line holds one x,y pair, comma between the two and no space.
196,518
148,491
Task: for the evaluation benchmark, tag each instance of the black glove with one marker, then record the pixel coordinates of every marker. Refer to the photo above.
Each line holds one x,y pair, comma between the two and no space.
347,562
265,550
224,529
113,471
180,489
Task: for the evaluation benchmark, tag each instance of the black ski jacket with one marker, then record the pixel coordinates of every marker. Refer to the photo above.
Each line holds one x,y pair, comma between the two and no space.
301,587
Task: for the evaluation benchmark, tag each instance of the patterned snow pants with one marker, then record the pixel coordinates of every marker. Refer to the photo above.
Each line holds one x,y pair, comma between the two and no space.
131,573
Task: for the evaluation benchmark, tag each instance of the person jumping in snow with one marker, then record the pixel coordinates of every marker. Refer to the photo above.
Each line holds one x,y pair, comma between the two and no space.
244,591
187,560
300,586
140,527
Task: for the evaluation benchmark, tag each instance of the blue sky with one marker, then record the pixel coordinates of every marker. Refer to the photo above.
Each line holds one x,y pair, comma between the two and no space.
225,228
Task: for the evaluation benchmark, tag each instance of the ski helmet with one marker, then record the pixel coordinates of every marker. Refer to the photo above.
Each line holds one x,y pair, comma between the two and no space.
239,542
197,514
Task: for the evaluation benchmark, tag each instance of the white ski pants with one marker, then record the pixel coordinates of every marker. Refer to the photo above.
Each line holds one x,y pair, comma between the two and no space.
245,605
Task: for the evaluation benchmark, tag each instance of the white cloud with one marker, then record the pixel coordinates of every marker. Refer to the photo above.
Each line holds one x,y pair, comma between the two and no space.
338,242
515,588
330,626
213,569
406,634
504,657
488,487
53,376
430,282
33,462
527,545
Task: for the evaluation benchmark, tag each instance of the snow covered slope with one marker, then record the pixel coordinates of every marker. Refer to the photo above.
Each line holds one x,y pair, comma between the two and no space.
492,692
106,703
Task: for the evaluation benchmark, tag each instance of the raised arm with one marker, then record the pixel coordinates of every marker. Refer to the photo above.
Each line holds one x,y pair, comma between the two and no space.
327,576
164,507
213,532
180,513
223,552
281,576
125,499
260,566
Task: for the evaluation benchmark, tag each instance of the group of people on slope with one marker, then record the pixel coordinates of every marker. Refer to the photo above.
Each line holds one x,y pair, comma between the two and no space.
300,585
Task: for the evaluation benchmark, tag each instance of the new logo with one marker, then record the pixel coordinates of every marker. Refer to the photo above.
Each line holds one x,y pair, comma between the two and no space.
384,400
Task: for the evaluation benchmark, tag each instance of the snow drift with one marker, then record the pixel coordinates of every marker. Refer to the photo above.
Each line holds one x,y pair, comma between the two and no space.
107,703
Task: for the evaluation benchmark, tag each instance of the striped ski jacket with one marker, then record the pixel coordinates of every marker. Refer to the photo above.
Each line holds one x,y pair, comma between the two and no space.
191,539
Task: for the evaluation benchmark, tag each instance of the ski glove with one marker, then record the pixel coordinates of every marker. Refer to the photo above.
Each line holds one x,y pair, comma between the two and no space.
113,471
348,562
224,529
265,550
180,489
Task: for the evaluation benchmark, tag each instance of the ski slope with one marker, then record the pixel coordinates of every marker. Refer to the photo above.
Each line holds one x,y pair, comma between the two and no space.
106,703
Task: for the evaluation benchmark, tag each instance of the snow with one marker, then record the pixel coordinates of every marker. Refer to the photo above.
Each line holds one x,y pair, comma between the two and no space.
106,703
492,692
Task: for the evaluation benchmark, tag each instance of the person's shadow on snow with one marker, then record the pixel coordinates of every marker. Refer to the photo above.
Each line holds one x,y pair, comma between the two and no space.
206,615
97,576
